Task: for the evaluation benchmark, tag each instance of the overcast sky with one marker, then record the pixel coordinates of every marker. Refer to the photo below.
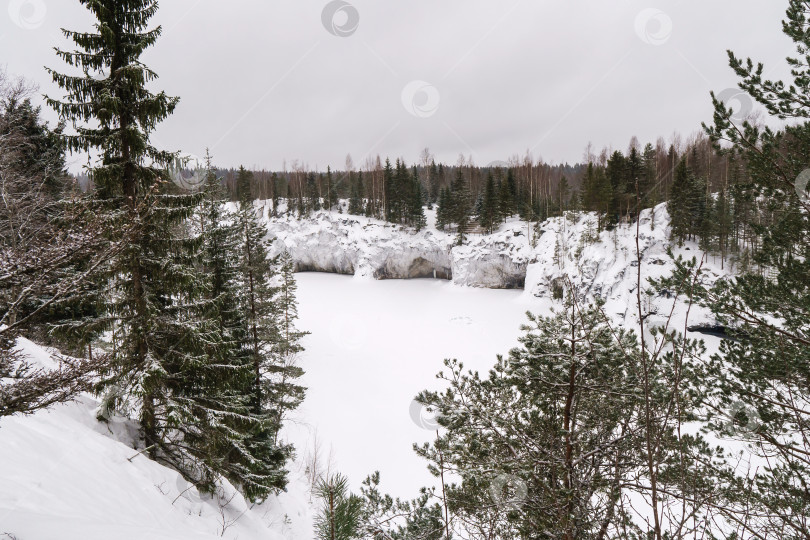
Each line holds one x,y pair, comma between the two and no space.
264,81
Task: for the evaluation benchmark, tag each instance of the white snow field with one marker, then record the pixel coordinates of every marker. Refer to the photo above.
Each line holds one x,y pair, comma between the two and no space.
373,346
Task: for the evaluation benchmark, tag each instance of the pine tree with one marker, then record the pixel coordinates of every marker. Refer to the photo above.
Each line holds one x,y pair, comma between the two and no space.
758,380
578,410
341,513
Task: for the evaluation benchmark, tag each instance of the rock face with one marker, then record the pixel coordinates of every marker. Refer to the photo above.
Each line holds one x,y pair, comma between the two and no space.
342,244
564,253
496,262
412,264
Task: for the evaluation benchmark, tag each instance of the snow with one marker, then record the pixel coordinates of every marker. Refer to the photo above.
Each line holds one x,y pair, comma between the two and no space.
67,476
374,344
513,257
365,247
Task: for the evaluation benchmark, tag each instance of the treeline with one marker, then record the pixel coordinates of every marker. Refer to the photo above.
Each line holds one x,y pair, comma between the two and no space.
171,306
703,186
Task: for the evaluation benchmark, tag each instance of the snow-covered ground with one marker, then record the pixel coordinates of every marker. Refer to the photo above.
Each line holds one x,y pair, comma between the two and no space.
374,345
65,475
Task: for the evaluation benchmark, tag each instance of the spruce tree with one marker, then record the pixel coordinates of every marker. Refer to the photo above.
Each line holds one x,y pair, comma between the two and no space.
389,192
115,114
260,309
460,207
244,181
219,387
356,195
506,199
647,185
287,393
681,202
274,181
434,182
416,212
488,214
442,209
331,198
313,199
616,175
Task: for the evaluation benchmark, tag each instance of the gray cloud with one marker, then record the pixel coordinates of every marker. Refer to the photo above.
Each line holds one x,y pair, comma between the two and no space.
264,81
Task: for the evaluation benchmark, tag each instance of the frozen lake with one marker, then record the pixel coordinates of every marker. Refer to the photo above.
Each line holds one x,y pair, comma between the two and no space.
373,346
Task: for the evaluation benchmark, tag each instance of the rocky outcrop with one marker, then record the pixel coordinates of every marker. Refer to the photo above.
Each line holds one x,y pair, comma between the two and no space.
414,264
495,262
342,244
563,253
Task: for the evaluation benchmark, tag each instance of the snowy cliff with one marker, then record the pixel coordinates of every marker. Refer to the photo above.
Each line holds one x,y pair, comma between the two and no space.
538,259
344,244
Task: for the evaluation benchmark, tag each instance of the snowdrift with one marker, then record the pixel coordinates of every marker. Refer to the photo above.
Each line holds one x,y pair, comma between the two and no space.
65,475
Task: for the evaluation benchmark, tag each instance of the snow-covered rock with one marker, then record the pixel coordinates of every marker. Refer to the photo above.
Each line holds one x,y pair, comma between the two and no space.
337,243
497,262
569,249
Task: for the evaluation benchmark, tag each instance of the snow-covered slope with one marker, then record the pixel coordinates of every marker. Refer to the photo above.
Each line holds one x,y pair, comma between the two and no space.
65,475
606,265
